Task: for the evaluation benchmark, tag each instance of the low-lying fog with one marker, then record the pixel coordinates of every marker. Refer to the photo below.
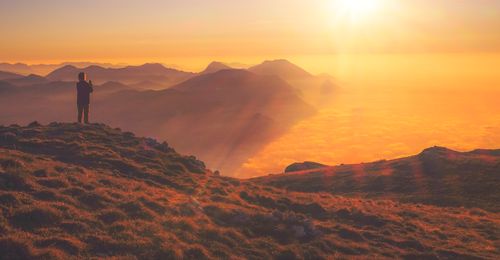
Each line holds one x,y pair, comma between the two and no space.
392,106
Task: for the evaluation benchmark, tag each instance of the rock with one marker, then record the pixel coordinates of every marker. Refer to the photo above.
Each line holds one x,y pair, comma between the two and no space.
304,166
34,124
164,147
192,164
151,142
299,231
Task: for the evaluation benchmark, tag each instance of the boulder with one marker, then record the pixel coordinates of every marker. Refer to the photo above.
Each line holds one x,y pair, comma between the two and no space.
295,167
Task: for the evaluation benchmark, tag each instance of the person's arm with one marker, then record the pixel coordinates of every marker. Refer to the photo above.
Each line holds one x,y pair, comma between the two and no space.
91,86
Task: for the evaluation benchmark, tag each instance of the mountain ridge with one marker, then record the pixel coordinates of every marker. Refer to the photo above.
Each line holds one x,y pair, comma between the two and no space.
436,176
8,75
215,66
280,67
240,109
128,75
44,69
86,191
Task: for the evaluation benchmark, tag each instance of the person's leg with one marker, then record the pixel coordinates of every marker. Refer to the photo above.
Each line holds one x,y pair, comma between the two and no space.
80,111
86,113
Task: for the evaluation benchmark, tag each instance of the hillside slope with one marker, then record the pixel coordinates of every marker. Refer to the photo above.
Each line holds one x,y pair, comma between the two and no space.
223,117
68,190
215,66
8,75
437,176
29,80
282,68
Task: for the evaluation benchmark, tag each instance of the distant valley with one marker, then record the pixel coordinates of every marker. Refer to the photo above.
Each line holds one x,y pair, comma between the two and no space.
222,115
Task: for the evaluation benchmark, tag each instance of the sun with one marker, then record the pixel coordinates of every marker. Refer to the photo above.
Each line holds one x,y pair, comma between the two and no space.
356,9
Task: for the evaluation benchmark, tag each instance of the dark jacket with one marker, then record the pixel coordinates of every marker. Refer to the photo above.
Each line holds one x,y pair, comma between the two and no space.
83,90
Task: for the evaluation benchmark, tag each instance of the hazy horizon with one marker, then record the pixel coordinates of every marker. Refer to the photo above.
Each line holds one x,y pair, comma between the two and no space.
316,64
390,106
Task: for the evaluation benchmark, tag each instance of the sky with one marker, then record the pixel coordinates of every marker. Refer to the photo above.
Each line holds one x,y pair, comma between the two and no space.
189,31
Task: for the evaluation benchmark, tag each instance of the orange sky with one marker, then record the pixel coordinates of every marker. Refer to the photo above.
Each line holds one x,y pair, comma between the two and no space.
186,32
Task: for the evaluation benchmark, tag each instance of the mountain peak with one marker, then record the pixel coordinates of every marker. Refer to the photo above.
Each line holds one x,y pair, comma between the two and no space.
66,72
215,66
67,67
225,77
110,85
34,76
127,75
94,67
216,63
281,62
282,68
150,67
436,150
153,65
278,61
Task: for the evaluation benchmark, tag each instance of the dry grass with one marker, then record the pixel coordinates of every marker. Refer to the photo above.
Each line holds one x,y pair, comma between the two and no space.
437,176
91,191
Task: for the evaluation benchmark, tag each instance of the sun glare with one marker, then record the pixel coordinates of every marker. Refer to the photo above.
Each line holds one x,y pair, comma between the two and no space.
356,9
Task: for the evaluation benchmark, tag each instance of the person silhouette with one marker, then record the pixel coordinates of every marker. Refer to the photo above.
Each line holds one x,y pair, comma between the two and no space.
83,90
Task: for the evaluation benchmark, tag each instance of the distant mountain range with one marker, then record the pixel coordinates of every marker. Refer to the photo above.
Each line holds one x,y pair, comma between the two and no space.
44,69
222,115
9,75
157,76
127,75
282,68
31,79
215,67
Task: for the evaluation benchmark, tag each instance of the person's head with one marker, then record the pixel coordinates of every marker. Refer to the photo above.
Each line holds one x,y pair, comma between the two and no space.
82,76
